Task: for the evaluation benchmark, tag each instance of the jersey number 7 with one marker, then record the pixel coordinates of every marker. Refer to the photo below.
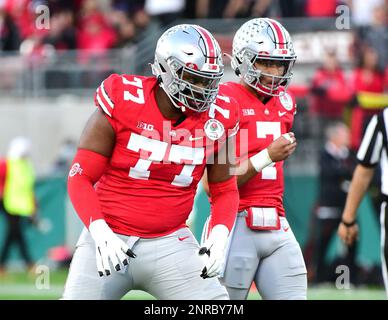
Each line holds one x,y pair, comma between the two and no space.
263,129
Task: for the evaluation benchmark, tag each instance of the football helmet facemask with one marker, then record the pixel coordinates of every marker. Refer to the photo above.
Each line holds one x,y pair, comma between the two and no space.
188,63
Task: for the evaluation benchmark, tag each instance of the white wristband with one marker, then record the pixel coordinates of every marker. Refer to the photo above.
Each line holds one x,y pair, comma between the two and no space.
261,160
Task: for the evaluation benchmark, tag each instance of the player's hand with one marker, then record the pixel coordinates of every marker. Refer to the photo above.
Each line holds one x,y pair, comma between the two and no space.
214,247
108,247
281,148
348,234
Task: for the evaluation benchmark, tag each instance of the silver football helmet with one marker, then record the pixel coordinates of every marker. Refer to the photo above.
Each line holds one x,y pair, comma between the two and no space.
188,62
263,39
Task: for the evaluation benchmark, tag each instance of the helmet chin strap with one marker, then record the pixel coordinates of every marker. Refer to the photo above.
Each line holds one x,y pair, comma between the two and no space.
263,89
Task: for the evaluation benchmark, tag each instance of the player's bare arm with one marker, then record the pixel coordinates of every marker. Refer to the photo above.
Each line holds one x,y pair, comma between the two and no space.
94,150
98,135
221,170
222,188
348,228
278,150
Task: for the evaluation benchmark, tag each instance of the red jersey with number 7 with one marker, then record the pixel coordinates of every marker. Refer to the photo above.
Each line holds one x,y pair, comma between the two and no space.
149,185
260,124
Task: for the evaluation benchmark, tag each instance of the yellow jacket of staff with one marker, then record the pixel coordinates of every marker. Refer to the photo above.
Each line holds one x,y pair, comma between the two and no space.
18,196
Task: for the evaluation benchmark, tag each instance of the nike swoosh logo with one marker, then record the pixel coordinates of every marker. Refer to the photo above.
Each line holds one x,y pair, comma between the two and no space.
183,238
191,138
281,114
286,229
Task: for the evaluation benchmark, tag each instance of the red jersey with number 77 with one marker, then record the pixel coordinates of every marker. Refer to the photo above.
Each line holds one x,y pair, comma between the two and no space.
260,124
149,185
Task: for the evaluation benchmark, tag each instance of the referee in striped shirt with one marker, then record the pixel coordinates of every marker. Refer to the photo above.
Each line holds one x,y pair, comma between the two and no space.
373,151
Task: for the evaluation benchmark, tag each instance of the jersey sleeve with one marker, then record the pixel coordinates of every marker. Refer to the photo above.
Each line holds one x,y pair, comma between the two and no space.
231,114
105,97
371,146
235,118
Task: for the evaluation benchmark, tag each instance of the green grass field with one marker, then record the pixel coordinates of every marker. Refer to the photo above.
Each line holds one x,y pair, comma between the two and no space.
21,286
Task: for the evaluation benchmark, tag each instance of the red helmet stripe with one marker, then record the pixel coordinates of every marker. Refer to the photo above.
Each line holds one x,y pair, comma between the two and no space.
209,43
281,39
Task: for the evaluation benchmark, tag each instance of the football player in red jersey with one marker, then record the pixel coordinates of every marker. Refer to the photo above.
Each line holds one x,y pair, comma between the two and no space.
263,247
134,177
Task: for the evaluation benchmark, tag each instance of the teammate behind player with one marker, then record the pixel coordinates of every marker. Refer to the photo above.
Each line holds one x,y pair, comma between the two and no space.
134,177
263,248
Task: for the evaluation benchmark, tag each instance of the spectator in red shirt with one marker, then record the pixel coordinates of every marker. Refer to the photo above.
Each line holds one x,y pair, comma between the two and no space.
23,15
95,36
318,8
366,78
329,92
94,32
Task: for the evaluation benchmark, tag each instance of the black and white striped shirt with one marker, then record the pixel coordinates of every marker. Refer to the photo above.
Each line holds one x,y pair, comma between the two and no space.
374,146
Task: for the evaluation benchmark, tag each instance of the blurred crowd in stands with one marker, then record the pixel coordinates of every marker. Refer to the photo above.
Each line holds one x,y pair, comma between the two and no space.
104,24
99,25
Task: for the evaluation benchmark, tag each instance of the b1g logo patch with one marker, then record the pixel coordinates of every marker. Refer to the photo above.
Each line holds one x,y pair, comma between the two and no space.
75,169
286,100
214,129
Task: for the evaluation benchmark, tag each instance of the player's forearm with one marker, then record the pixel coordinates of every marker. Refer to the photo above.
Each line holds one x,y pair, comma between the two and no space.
250,167
244,172
86,170
361,179
224,199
